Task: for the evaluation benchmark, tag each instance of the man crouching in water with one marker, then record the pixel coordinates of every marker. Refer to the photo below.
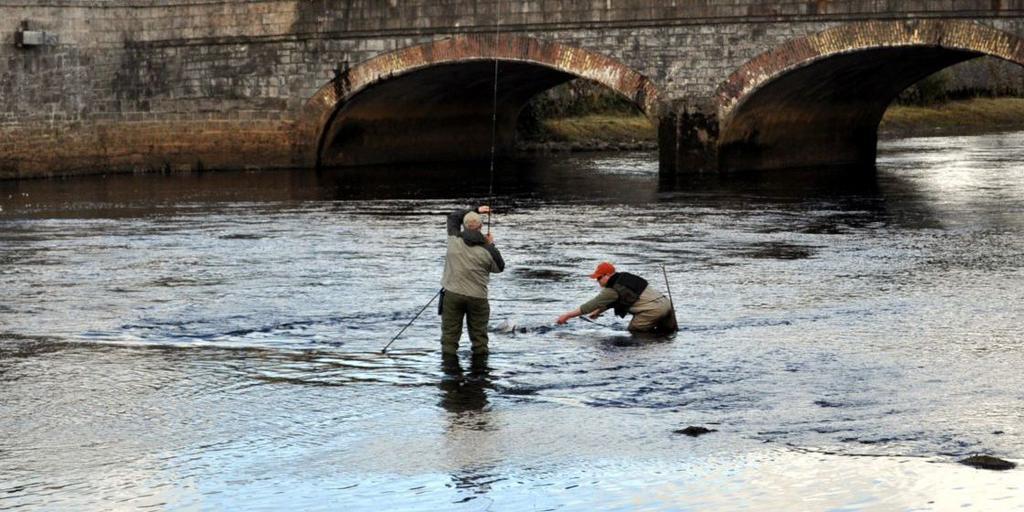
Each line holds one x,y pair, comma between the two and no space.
627,293
468,264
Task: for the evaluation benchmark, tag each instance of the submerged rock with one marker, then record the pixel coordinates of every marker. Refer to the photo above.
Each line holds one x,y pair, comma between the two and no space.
694,431
988,462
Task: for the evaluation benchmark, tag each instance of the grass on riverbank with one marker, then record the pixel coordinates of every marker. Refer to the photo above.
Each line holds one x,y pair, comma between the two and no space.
603,127
975,115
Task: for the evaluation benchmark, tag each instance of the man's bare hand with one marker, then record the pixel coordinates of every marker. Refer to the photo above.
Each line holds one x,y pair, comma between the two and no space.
567,316
484,209
490,238
596,314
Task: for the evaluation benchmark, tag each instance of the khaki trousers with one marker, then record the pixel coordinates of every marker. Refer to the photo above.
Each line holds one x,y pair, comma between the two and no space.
659,317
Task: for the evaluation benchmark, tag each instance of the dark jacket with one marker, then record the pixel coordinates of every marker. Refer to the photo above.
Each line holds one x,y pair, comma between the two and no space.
629,287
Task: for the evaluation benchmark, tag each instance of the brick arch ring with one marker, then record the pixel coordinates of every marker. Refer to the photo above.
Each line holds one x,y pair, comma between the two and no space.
320,109
851,38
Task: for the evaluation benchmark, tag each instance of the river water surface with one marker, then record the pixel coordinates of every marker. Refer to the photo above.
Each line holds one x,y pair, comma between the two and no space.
213,340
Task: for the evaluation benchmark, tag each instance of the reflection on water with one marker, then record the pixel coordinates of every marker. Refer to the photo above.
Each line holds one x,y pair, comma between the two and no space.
464,397
213,340
464,392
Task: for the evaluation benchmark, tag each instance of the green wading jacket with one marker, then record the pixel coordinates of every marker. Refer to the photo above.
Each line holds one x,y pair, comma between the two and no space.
470,260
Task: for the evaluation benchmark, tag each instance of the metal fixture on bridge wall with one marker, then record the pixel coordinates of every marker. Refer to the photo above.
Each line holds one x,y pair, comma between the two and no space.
25,38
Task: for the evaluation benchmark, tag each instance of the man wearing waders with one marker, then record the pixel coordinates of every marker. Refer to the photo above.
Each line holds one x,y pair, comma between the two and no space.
627,293
468,265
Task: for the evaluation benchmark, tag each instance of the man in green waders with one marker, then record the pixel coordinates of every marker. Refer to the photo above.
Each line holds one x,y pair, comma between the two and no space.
468,265
628,293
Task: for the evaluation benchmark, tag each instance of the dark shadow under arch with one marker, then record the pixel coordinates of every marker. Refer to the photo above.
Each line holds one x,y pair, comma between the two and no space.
433,102
818,101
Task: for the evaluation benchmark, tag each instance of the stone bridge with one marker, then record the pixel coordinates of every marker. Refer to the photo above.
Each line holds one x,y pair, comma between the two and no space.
136,85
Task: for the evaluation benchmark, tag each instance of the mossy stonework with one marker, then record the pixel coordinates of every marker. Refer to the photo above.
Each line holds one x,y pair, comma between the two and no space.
137,85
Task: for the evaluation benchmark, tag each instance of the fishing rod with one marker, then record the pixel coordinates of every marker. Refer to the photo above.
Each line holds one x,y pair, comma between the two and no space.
494,114
385,349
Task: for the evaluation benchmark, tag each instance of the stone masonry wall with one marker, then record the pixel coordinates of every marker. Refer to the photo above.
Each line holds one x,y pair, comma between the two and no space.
137,85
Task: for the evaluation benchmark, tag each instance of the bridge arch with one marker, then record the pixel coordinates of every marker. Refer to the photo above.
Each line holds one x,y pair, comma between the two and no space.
818,100
434,101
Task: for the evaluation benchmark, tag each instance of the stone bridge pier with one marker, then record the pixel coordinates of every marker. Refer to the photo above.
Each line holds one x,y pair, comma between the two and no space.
136,85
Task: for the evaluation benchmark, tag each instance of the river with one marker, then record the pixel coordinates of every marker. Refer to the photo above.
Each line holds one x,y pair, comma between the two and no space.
213,340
